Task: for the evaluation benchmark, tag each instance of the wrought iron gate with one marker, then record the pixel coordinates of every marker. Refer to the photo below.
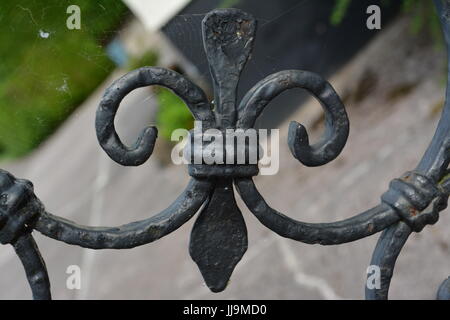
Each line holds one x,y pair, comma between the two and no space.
219,236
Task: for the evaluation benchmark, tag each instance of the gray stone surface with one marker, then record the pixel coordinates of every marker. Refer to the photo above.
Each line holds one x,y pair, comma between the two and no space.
391,89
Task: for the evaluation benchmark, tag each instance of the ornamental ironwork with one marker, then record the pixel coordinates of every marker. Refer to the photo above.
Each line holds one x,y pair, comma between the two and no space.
219,235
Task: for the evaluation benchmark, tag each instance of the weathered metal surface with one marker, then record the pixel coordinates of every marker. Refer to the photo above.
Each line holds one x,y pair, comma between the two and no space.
18,208
108,138
133,234
35,270
336,121
228,37
385,255
219,236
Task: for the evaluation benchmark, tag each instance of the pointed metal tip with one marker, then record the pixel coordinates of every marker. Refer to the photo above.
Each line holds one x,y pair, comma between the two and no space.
218,286
219,238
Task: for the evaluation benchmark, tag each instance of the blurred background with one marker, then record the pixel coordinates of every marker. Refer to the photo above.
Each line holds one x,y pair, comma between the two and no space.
52,77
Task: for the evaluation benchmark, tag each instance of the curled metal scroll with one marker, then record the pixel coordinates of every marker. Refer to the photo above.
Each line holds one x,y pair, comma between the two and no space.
219,236
360,226
333,140
192,95
132,234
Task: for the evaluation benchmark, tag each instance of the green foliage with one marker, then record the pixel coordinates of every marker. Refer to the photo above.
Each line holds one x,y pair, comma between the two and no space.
172,113
424,17
47,70
229,3
339,11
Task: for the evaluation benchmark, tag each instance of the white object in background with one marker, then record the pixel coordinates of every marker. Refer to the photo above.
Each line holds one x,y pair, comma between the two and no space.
155,13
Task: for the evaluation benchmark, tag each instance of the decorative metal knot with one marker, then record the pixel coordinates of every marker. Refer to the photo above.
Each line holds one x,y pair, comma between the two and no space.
224,154
417,199
18,207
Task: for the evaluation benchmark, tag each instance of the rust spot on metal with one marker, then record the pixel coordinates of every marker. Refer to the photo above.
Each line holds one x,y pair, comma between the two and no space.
413,212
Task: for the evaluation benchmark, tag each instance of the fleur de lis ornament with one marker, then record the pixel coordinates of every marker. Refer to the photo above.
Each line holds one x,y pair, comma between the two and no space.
219,236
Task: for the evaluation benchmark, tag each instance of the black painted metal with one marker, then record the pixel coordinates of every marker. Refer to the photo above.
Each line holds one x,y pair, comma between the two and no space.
219,236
